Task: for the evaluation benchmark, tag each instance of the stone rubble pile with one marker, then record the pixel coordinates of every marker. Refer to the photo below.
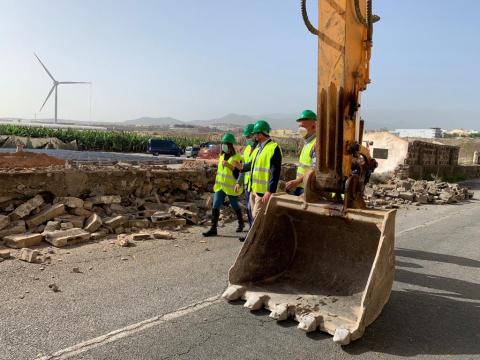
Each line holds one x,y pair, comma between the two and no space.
401,192
61,221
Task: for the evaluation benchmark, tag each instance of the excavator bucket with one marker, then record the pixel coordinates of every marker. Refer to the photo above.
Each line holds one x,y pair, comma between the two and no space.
326,269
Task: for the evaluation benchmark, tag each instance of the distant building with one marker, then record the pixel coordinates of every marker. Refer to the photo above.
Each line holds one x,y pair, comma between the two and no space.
431,133
391,151
461,132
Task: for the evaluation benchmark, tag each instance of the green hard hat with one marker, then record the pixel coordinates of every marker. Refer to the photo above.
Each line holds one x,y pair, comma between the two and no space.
248,130
307,115
228,139
261,126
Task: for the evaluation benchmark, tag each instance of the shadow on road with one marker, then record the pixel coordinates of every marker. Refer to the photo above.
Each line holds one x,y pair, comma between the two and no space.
444,321
450,259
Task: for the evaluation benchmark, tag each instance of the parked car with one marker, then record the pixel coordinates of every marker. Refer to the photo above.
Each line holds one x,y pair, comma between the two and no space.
192,151
211,152
164,147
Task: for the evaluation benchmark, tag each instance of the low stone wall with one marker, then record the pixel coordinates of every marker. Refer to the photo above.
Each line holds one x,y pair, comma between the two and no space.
425,171
114,180
428,154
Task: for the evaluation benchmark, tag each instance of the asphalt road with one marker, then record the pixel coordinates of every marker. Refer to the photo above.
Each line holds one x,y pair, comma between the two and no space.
161,302
103,156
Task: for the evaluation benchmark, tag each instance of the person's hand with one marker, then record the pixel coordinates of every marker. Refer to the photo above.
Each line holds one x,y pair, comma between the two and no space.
238,165
237,188
225,163
292,184
266,197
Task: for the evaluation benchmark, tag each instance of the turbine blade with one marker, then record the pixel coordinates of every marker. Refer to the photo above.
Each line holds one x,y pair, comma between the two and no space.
48,72
50,93
74,82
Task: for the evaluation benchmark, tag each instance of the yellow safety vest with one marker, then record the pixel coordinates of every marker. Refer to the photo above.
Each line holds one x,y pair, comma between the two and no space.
306,160
225,180
247,157
260,173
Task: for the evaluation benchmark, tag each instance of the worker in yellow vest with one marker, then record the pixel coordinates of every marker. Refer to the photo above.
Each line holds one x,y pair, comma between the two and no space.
225,182
307,129
244,177
264,167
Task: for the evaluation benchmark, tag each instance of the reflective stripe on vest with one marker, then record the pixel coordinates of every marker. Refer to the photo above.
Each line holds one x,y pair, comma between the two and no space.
225,180
261,168
306,160
247,157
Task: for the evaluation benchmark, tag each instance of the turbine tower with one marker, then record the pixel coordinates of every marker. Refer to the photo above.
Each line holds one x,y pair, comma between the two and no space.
55,86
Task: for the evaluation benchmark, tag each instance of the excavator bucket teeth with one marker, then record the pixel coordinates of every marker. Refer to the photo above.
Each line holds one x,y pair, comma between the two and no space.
327,269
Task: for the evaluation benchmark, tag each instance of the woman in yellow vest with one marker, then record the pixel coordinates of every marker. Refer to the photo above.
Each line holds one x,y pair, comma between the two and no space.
244,177
308,124
225,183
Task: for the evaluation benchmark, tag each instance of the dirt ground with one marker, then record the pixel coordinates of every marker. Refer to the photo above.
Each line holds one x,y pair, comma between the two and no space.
28,160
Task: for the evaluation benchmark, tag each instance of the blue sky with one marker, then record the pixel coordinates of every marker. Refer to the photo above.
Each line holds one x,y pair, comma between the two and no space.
194,59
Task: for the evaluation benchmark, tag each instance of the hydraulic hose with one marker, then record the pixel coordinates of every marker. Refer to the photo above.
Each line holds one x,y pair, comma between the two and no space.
306,20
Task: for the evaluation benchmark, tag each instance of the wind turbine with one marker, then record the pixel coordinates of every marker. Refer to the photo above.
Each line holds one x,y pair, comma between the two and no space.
55,86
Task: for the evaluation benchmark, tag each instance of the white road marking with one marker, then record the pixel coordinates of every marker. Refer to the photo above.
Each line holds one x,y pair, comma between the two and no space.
431,222
128,330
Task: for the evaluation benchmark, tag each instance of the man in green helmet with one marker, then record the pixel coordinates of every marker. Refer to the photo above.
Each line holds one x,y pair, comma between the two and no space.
244,177
264,167
307,129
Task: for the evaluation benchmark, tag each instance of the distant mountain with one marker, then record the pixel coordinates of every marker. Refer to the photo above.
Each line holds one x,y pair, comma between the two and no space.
232,119
149,121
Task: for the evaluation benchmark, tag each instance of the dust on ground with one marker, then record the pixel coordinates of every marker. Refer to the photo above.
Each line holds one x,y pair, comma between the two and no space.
28,160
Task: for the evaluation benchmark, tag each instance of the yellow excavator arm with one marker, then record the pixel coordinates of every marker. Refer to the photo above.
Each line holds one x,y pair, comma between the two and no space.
329,265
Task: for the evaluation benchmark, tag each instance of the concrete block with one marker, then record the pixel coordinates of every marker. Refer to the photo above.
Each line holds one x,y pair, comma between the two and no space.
161,216
111,199
165,235
141,236
186,214
26,208
62,238
77,221
52,226
81,212
170,223
4,221
69,201
116,221
138,223
16,227
93,223
28,255
98,235
46,214
4,253
19,241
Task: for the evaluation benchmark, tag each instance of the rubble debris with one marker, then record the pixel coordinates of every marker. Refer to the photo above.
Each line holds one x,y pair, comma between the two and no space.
93,223
4,221
141,236
52,226
183,213
165,235
398,192
62,238
4,253
26,208
123,240
98,235
76,270
54,287
50,212
111,199
28,255
16,227
116,221
19,241
70,202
